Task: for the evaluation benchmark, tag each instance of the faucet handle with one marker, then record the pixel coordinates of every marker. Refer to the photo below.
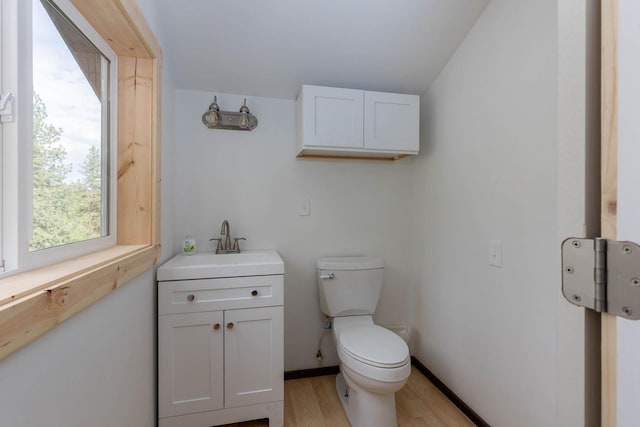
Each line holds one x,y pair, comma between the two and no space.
236,245
219,246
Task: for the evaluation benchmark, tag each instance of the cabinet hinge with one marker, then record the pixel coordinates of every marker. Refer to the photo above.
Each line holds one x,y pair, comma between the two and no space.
602,275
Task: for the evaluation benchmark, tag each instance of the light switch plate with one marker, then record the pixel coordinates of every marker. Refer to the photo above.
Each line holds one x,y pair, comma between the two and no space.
304,206
495,253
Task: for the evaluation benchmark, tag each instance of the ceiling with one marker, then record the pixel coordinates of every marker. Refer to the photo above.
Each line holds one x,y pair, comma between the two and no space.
271,47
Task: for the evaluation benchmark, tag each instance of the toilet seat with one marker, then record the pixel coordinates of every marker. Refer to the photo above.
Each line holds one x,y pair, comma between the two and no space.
372,352
374,346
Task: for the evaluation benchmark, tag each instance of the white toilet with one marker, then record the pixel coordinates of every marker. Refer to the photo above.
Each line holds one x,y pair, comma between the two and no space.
374,362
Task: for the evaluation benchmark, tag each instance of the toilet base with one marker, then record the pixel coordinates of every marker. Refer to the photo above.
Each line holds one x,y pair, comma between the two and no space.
366,409
343,391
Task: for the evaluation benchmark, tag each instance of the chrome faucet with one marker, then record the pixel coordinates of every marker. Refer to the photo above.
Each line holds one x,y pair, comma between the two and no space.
224,231
224,242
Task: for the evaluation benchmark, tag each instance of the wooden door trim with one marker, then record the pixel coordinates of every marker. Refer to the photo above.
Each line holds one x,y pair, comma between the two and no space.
609,183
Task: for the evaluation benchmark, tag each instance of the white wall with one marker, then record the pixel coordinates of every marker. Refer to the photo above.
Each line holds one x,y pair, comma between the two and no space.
254,180
488,171
97,368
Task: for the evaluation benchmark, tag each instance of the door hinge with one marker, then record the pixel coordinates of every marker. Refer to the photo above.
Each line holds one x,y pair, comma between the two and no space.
602,275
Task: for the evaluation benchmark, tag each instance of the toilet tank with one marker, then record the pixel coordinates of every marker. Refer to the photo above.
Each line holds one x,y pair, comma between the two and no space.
349,286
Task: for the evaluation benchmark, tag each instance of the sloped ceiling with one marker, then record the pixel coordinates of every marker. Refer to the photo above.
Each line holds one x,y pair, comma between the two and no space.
271,47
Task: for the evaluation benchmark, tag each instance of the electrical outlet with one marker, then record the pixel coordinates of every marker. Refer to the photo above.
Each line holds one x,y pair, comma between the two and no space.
495,253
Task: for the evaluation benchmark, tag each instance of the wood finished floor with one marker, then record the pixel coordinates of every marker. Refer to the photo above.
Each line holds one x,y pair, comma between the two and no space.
313,402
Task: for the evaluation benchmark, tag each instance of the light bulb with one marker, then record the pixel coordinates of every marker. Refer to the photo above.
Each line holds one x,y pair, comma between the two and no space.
244,115
212,118
244,121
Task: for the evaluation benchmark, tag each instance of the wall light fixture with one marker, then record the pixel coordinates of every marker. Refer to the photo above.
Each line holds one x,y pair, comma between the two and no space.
213,118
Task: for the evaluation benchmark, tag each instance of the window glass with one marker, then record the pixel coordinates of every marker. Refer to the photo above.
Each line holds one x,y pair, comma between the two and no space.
70,133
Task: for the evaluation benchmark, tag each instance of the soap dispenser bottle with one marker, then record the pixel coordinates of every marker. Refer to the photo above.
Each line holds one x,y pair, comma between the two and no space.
189,245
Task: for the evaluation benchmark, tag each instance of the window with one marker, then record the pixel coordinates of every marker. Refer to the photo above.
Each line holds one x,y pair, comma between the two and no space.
60,145
35,301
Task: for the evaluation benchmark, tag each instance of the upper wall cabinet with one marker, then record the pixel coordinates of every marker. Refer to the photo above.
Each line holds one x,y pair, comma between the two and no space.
334,122
331,117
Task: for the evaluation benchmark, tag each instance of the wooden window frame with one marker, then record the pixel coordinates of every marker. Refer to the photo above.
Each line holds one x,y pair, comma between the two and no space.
33,302
609,200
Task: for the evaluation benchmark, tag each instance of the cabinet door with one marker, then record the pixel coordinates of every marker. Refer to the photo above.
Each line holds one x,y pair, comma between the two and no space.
254,356
190,363
332,117
391,122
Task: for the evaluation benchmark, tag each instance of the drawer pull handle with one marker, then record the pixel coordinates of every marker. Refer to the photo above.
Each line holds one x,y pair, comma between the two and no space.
191,297
229,325
254,293
216,326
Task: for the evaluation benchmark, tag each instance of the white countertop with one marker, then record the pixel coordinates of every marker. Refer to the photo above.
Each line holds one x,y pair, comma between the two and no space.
208,265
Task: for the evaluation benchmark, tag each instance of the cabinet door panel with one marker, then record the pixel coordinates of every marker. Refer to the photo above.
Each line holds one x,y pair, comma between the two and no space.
254,356
190,363
332,117
391,121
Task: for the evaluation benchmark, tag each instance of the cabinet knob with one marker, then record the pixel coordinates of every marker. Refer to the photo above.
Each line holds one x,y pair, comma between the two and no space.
216,326
254,292
191,297
230,325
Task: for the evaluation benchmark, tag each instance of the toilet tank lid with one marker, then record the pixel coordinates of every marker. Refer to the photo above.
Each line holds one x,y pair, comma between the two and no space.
349,263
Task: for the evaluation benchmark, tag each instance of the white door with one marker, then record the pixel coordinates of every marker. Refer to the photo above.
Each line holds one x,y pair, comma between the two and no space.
623,392
190,363
254,354
391,122
332,117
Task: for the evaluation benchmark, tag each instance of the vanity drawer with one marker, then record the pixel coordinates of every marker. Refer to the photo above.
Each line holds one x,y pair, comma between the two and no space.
189,296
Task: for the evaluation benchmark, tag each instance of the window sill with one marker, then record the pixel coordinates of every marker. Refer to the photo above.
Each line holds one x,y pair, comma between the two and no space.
33,302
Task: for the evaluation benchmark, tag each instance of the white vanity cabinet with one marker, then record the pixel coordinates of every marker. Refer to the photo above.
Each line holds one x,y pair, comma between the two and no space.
220,350
336,122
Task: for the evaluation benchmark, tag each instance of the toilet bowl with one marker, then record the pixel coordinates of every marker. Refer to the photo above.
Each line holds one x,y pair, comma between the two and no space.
374,362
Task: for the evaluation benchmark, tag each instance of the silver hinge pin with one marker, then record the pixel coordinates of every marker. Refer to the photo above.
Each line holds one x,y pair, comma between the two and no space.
600,274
